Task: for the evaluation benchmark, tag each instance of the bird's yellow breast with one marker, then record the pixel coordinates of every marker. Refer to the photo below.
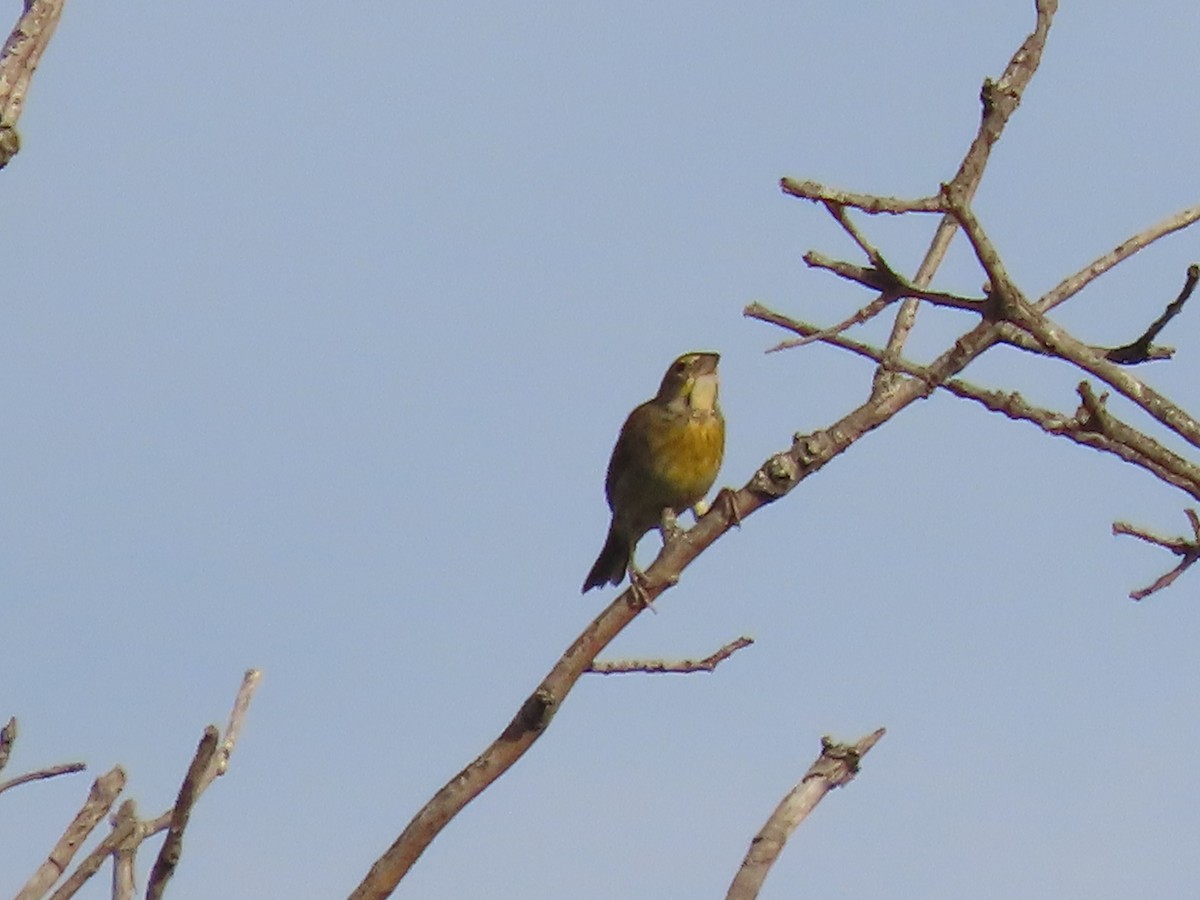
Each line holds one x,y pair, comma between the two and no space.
687,457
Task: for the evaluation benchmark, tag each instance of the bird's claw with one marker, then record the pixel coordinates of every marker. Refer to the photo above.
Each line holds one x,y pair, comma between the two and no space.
639,588
668,526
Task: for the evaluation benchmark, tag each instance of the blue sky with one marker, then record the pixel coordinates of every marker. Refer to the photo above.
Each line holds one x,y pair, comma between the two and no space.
317,330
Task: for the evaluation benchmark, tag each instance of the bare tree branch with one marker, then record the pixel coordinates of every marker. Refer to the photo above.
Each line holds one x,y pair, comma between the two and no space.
835,767
20,57
662,666
999,100
1013,306
104,792
811,190
189,791
1187,548
1073,284
8,736
210,761
1139,351
886,281
125,853
126,828
219,762
48,772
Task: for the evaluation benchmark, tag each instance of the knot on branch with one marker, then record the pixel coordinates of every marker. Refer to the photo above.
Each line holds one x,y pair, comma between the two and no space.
534,715
10,144
776,477
1092,415
839,763
810,449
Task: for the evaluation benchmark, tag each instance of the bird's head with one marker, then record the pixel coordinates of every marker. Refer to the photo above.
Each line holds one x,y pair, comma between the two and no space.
691,381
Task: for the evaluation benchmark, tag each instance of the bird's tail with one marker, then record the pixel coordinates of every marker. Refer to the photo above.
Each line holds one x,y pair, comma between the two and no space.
611,563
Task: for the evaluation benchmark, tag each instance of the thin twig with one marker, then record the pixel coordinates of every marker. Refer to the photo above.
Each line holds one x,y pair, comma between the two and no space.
1139,350
865,314
662,666
835,767
868,203
888,281
838,211
48,772
1073,284
880,276
1187,548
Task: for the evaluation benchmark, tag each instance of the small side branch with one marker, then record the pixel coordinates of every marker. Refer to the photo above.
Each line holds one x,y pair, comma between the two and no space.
835,767
662,666
868,203
1140,350
1187,548
881,277
48,772
1073,284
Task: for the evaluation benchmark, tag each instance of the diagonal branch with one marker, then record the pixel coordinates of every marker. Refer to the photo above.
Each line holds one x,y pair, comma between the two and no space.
103,793
1073,284
125,828
20,57
835,767
999,100
189,791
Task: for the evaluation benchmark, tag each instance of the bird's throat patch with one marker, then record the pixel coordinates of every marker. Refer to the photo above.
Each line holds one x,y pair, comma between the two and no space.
704,392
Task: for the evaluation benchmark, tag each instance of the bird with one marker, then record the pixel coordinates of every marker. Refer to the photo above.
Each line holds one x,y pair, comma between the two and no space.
665,460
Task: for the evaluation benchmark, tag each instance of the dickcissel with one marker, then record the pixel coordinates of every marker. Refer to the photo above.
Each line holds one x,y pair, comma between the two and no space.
665,460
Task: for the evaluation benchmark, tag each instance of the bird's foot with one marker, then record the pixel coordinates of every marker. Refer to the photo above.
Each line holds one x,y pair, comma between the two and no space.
668,526
638,588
